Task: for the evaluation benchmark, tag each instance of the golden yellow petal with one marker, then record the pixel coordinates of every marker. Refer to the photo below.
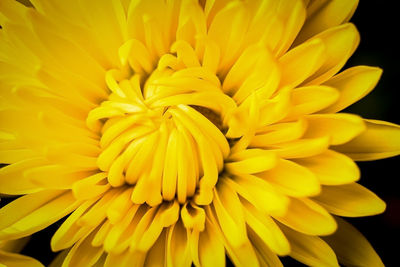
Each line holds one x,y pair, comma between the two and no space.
310,250
306,216
380,140
266,229
322,15
211,248
350,200
340,43
83,253
35,212
331,168
310,99
340,127
301,62
177,251
17,260
351,247
292,179
353,84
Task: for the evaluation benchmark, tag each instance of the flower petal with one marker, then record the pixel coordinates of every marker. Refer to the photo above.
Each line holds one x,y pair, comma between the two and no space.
351,247
310,250
211,248
331,168
292,179
17,260
340,43
31,213
266,229
310,99
380,140
350,200
340,127
301,62
353,84
328,14
306,216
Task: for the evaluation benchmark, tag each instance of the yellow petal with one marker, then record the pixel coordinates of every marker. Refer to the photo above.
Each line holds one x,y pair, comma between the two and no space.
17,260
292,179
331,168
301,62
279,133
83,253
266,229
328,15
380,140
310,99
230,215
70,232
350,200
264,254
351,247
156,255
250,161
242,255
301,148
259,193
20,184
306,216
310,250
353,84
177,251
340,127
49,207
211,248
340,43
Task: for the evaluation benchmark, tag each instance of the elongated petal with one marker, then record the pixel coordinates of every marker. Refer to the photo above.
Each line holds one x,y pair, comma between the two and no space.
331,168
380,140
325,16
310,250
350,200
17,260
52,208
340,127
351,247
353,84
306,216
292,179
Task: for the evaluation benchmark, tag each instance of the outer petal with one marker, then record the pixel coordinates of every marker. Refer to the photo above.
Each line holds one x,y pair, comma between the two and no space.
331,168
350,200
17,260
353,84
380,140
31,213
351,247
322,15
310,250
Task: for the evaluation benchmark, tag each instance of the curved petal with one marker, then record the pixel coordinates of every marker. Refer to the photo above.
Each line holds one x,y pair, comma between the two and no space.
17,260
380,140
350,200
340,127
331,168
351,247
353,84
310,250
306,216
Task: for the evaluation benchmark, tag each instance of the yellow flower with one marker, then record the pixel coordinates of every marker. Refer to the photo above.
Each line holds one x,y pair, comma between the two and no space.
175,132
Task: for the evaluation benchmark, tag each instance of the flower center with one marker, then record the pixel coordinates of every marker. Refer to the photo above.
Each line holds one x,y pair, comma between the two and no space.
162,135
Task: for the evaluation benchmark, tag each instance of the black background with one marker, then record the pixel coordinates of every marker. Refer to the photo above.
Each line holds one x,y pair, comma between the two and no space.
378,24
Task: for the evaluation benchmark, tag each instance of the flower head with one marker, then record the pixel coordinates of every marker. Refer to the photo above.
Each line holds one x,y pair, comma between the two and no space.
176,132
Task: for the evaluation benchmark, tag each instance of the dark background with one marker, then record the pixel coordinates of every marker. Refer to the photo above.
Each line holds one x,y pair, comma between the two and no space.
377,22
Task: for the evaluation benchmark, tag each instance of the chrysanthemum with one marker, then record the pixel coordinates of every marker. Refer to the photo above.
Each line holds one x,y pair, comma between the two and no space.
172,132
